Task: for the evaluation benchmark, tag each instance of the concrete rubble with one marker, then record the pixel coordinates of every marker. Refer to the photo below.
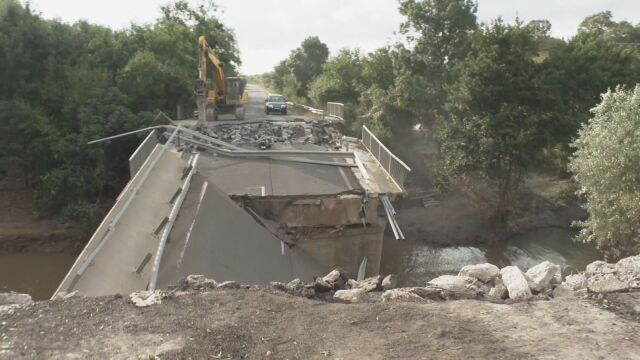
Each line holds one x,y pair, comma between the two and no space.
264,134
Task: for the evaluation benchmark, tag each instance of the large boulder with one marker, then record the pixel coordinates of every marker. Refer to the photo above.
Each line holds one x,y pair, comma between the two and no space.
516,282
599,267
576,282
351,295
454,283
606,283
15,298
629,268
483,272
541,275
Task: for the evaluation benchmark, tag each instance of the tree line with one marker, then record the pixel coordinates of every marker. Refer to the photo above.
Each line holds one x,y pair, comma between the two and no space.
498,99
62,85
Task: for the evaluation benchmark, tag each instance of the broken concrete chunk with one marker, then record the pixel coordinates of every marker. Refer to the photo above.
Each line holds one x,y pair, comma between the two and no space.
541,275
319,285
199,282
402,294
335,278
483,272
453,282
516,283
499,290
370,284
295,285
15,298
146,298
352,284
351,295
228,285
389,282
576,282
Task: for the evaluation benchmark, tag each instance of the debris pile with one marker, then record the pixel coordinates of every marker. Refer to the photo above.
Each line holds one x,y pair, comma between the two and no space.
260,133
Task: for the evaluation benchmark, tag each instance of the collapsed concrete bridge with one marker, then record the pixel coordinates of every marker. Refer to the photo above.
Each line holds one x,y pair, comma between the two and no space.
232,210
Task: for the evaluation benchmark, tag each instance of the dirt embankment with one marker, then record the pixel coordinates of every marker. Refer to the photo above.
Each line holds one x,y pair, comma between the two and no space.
259,323
461,215
22,231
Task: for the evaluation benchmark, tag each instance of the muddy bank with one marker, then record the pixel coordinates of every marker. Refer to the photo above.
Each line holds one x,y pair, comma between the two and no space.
54,240
260,323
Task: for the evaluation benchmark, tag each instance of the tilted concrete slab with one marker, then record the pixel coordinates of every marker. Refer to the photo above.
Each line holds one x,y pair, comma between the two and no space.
216,238
113,270
268,177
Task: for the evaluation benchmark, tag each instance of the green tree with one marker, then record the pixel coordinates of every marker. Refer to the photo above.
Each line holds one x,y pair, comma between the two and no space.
494,119
606,165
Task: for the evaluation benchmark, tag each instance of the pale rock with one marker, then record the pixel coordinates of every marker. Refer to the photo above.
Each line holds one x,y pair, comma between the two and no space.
351,295
629,267
454,283
352,284
12,298
199,282
294,285
146,298
599,267
389,282
228,285
498,291
483,272
370,284
516,283
576,282
541,275
606,283
562,290
335,278
401,294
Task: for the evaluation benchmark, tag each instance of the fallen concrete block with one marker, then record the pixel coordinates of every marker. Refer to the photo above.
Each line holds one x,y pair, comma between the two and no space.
146,298
516,282
401,294
606,283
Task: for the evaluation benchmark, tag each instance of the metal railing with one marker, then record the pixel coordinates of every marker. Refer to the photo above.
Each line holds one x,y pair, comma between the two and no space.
142,152
336,110
392,165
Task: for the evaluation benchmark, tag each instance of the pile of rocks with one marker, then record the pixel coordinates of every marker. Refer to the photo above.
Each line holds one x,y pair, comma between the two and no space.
603,277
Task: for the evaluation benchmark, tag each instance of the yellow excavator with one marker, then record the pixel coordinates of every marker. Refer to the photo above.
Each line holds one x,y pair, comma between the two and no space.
229,94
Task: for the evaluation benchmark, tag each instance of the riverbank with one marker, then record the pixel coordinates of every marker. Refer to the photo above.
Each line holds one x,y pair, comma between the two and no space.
259,323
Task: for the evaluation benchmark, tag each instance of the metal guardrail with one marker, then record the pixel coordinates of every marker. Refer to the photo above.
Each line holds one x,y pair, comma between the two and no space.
142,152
392,165
336,110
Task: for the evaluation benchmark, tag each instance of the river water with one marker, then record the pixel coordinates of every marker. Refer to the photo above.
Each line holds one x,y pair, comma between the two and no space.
416,262
36,274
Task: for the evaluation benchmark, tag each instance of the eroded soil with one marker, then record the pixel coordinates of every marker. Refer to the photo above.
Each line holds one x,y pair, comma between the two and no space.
260,323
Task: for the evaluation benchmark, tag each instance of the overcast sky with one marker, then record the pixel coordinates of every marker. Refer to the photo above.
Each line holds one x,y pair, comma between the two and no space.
267,30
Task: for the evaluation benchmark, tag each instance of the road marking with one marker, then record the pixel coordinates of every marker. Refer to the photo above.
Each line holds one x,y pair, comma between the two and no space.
195,216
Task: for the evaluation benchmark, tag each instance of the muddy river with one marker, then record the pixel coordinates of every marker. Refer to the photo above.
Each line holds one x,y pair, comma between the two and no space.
35,274
416,262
